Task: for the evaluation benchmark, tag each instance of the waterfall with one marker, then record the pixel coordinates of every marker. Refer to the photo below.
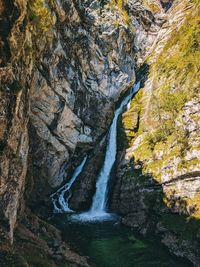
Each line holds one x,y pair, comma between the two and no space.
98,210
59,200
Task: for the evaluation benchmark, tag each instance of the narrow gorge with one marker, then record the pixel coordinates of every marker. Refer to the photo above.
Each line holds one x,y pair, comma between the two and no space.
99,136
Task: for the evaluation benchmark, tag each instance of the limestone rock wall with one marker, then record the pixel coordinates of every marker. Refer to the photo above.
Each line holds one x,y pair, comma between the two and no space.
157,188
63,65
89,63
14,115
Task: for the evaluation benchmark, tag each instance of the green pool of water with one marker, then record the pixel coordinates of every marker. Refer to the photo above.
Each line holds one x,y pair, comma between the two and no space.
108,244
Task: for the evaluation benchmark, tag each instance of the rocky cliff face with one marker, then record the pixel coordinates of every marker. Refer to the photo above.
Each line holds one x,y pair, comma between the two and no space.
14,141
157,188
143,25
89,63
63,65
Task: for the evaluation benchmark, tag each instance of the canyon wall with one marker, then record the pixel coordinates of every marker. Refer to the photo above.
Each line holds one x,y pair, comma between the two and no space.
157,189
14,116
63,66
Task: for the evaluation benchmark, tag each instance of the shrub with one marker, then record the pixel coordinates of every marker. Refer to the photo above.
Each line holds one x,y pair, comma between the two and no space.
120,4
180,57
172,102
40,16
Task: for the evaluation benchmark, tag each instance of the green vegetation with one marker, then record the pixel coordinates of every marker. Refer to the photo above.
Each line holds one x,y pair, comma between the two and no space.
195,203
180,58
119,5
179,63
129,122
131,117
163,140
176,81
40,24
40,16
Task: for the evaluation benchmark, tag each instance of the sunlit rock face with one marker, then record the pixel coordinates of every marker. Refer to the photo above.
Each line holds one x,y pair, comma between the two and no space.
146,27
88,65
158,169
63,66
61,74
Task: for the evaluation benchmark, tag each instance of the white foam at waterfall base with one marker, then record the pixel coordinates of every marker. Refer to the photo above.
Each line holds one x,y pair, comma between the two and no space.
98,210
93,217
59,196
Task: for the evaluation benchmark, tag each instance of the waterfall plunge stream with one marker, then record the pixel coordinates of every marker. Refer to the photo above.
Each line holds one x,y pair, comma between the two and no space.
95,233
58,198
98,210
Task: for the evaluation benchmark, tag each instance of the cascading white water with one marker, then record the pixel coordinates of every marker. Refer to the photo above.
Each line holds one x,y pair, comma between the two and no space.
58,198
98,209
